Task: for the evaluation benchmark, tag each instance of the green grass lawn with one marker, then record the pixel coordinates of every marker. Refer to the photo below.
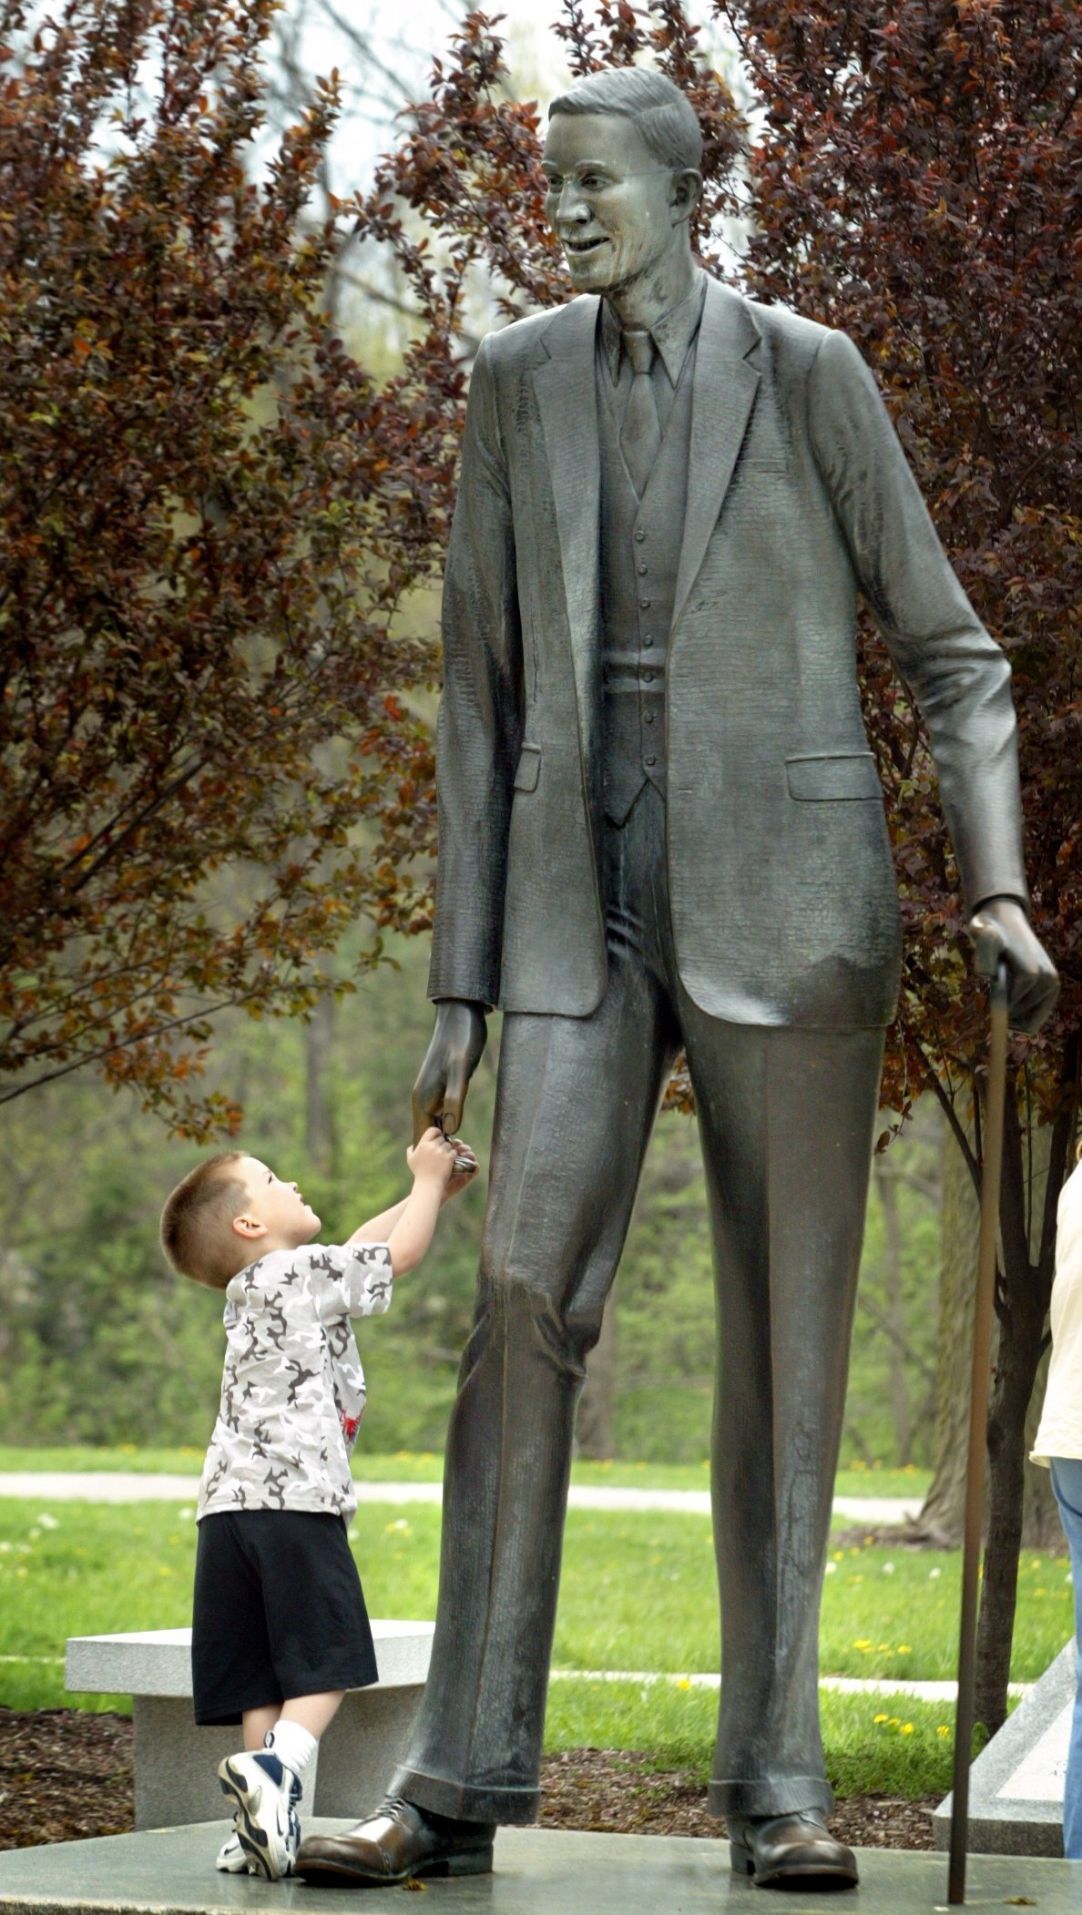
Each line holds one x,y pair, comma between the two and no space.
637,1595
876,1745
409,1467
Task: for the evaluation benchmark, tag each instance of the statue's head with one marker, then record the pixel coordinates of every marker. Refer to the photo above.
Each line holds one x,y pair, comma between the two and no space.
622,161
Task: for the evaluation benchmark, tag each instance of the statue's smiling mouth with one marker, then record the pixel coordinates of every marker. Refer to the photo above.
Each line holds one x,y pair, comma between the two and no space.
582,246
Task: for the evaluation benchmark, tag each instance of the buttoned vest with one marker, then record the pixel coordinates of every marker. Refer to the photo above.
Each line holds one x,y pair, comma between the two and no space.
640,555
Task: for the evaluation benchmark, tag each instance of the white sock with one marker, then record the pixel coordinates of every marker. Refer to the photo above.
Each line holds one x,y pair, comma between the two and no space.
292,1744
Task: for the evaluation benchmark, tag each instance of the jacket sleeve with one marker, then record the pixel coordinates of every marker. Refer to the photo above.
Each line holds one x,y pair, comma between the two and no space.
957,673
480,723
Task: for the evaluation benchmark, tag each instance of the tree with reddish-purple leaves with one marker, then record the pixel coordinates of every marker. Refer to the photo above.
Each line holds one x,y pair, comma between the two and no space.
210,517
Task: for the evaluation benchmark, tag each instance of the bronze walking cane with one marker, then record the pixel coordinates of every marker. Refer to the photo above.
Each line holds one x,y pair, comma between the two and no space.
992,963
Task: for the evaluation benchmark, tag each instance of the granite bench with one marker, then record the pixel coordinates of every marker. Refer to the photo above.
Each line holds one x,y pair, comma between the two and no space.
176,1763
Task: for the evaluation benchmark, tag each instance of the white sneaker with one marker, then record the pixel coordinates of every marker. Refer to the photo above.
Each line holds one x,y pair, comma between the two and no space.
231,1857
264,1792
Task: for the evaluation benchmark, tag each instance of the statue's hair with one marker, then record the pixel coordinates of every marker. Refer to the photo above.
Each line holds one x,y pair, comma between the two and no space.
195,1229
663,115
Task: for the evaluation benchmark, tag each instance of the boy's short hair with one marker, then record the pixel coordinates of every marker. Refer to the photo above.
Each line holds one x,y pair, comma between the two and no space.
195,1231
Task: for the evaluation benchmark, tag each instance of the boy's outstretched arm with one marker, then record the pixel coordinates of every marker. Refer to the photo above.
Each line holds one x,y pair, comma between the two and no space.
378,1229
408,1227
432,1161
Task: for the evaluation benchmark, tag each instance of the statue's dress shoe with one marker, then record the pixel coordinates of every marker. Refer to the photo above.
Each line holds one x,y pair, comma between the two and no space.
398,1842
790,1851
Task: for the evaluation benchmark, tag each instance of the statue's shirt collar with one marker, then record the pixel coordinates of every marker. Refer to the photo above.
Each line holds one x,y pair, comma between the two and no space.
673,333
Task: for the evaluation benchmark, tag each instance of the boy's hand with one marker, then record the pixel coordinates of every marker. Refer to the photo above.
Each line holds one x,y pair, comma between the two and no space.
464,1169
432,1158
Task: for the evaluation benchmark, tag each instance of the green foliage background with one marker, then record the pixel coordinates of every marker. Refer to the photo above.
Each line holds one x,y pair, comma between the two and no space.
100,1343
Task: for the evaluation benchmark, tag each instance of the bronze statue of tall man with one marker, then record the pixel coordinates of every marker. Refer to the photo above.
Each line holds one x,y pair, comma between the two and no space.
661,826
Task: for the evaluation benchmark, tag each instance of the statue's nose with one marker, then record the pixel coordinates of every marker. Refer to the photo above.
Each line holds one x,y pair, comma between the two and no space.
571,204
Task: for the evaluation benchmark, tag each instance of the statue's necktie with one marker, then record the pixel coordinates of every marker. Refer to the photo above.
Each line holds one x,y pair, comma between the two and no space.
640,435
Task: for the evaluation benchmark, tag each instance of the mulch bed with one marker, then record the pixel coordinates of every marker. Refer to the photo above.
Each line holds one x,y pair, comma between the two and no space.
66,1774
617,1793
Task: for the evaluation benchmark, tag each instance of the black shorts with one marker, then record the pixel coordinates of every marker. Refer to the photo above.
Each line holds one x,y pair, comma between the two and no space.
278,1612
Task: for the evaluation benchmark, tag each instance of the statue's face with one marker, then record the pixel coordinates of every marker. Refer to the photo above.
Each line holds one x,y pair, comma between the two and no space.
616,212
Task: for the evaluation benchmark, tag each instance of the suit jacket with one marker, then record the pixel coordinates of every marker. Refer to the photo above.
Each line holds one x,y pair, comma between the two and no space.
782,890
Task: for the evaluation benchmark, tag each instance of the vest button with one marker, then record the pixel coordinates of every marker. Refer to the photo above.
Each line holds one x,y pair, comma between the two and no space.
647,642
648,678
651,760
644,604
640,534
643,569
648,718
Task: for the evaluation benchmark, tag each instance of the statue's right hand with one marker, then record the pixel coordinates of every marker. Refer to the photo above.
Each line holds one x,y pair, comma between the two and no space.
439,1095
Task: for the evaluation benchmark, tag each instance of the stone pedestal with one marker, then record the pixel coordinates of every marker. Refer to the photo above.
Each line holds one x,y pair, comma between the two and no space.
1016,1783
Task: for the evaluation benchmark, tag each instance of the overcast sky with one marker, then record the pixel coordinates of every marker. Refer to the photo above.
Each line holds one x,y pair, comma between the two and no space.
405,35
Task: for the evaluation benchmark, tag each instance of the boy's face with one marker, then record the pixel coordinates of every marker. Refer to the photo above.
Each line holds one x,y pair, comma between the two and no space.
276,1209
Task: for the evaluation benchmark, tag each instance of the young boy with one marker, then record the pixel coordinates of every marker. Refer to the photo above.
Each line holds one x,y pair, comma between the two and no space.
279,1629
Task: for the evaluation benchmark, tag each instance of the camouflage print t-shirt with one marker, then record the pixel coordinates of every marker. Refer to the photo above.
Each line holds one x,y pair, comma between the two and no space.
293,1387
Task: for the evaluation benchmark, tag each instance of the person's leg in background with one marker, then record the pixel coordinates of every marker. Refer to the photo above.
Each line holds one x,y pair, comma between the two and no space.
1067,1483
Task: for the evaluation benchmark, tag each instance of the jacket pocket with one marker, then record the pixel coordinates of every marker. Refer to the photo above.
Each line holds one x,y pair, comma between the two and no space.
825,775
528,769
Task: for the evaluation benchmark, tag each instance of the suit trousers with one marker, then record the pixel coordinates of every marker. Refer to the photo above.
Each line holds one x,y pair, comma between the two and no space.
786,1120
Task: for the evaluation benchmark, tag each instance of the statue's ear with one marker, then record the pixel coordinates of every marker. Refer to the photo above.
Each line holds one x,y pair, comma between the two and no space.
685,192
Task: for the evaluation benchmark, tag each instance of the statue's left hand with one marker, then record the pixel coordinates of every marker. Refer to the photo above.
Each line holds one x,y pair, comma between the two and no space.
1000,928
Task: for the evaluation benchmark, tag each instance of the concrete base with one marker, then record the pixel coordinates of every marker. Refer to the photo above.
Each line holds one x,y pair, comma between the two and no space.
538,1872
1016,1783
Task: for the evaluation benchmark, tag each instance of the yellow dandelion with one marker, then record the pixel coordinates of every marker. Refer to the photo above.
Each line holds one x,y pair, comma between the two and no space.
905,1648
879,1718
907,1728
943,1729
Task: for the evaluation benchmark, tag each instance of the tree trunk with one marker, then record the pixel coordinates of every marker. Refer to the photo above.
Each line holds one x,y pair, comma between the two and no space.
1012,1386
1041,1526
595,1430
940,1519
1033,1174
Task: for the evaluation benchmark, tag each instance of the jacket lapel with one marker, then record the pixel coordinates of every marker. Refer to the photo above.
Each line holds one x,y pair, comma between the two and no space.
565,384
725,388
726,384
